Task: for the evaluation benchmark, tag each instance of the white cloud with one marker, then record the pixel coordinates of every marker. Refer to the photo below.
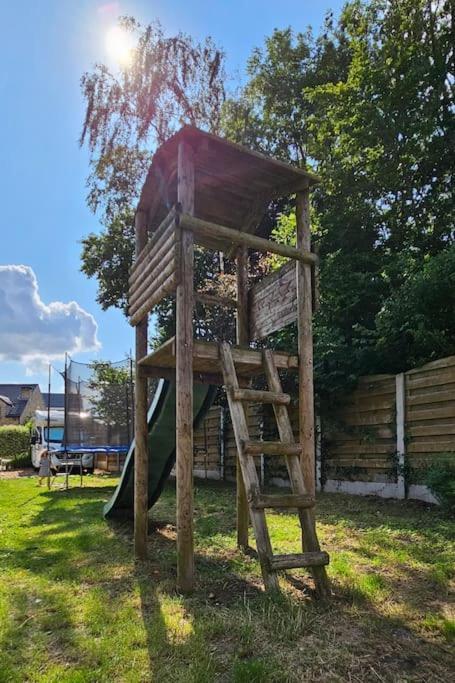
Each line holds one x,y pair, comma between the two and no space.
30,330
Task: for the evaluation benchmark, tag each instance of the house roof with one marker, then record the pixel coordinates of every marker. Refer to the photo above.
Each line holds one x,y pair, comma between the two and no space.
233,184
17,408
12,392
57,400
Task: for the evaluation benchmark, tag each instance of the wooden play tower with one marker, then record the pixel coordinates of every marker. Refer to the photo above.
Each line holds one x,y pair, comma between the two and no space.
201,189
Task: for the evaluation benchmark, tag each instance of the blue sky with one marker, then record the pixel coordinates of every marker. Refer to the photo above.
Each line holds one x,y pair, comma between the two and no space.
45,46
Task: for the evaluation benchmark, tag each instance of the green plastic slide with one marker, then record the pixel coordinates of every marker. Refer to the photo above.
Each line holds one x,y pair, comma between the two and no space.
161,446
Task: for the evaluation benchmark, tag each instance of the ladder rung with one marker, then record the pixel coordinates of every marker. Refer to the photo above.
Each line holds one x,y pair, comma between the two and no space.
257,396
314,559
271,448
285,500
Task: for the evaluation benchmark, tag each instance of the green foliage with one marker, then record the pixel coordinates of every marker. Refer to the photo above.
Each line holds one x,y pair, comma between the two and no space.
212,275
383,140
171,80
108,257
369,104
22,460
14,441
440,479
416,323
270,114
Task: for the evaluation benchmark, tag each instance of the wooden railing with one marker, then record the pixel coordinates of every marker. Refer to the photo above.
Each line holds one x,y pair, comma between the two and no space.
154,274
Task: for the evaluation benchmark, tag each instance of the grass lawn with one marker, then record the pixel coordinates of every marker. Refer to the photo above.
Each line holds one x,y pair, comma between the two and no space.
74,606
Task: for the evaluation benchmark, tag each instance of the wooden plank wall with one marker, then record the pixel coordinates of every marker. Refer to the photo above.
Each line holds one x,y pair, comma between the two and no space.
273,302
154,273
360,441
207,444
430,413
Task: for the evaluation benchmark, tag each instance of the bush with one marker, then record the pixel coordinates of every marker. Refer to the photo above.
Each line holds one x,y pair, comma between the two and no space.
22,460
14,441
440,479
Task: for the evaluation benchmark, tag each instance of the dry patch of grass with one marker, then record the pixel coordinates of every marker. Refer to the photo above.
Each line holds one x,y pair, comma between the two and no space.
74,606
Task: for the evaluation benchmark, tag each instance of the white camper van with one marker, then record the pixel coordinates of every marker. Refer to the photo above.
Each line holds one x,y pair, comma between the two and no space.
52,439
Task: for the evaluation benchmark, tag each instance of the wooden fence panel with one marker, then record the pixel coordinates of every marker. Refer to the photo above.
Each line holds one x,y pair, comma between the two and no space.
430,414
360,444
207,445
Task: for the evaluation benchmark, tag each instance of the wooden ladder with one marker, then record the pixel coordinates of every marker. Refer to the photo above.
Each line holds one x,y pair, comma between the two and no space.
311,556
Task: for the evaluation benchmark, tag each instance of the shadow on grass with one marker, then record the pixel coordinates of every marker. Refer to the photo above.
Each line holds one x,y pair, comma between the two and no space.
228,615
67,528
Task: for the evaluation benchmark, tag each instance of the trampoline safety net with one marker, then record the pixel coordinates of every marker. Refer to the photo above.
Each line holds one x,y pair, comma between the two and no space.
99,405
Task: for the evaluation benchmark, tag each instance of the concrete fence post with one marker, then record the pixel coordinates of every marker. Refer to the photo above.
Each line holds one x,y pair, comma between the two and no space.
222,442
400,395
318,446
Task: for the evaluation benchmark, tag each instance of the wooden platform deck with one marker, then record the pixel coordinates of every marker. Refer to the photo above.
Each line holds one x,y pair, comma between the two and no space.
207,364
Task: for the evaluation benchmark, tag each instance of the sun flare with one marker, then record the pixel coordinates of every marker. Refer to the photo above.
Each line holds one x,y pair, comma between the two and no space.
119,45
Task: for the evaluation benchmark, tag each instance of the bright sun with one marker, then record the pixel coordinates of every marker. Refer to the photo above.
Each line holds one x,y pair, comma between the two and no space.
119,45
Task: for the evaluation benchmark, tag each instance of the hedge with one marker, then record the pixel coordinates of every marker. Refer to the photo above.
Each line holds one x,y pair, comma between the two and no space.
14,440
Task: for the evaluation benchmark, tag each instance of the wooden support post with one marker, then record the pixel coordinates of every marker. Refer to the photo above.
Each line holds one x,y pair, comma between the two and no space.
184,377
242,338
141,436
305,342
400,395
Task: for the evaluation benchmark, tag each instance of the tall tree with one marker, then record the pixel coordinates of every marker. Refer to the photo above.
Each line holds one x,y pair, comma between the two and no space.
386,133
369,104
384,141
168,82
271,112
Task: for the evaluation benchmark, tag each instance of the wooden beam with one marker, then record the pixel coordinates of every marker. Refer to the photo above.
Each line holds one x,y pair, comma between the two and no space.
169,373
305,343
306,393
284,500
312,559
242,338
184,377
240,426
272,448
206,229
141,433
261,396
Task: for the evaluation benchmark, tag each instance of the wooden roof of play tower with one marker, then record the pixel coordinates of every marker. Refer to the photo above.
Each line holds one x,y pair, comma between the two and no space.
233,185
